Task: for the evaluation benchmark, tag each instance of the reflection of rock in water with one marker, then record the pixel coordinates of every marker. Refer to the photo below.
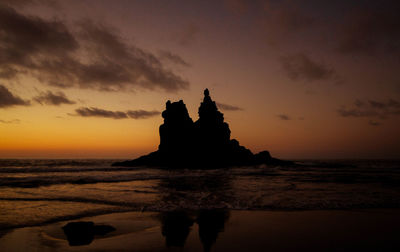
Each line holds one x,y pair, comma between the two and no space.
196,192
83,233
175,227
211,223
203,183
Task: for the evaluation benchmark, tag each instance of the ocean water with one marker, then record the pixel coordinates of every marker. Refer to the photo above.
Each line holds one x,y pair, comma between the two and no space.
35,192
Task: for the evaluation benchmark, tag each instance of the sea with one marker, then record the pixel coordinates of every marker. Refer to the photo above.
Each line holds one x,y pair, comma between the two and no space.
37,192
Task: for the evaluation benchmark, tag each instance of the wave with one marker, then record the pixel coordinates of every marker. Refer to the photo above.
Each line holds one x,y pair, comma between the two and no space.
165,206
67,169
249,204
39,181
36,177
310,185
53,162
132,205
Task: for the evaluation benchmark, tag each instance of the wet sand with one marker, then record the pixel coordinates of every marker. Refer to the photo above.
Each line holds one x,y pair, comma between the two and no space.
221,230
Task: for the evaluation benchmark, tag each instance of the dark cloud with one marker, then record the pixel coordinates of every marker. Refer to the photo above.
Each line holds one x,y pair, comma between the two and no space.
174,58
142,114
97,112
50,98
50,51
116,64
301,67
228,107
10,121
369,30
371,108
7,99
25,39
284,117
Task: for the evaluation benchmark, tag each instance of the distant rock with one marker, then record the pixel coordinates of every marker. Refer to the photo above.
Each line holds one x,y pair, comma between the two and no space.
204,144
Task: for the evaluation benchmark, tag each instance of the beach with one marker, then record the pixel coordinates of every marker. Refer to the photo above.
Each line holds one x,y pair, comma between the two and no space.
314,205
339,230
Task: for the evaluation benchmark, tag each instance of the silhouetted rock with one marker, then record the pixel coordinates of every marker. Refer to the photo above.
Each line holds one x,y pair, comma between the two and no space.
83,232
205,143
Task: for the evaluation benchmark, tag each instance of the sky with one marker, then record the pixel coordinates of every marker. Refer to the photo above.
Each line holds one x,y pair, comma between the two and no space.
302,79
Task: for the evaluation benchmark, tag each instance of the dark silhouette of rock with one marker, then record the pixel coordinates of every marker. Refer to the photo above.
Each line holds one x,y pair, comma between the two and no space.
83,232
205,143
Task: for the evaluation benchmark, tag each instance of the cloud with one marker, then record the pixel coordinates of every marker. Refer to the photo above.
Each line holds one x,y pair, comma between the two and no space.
369,30
92,56
97,112
141,114
228,107
10,121
24,39
284,117
50,98
174,58
301,67
7,99
371,108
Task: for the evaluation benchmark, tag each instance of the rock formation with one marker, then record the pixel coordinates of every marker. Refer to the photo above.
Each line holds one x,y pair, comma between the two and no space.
202,144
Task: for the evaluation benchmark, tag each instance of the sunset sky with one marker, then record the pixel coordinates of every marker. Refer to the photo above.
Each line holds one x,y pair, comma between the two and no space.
302,79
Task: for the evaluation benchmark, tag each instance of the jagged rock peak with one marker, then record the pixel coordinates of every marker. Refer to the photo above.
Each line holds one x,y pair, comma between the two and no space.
176,112
177,130
208,110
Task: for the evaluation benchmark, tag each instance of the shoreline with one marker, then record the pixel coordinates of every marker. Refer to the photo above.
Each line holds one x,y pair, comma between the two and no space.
94,214
152,231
